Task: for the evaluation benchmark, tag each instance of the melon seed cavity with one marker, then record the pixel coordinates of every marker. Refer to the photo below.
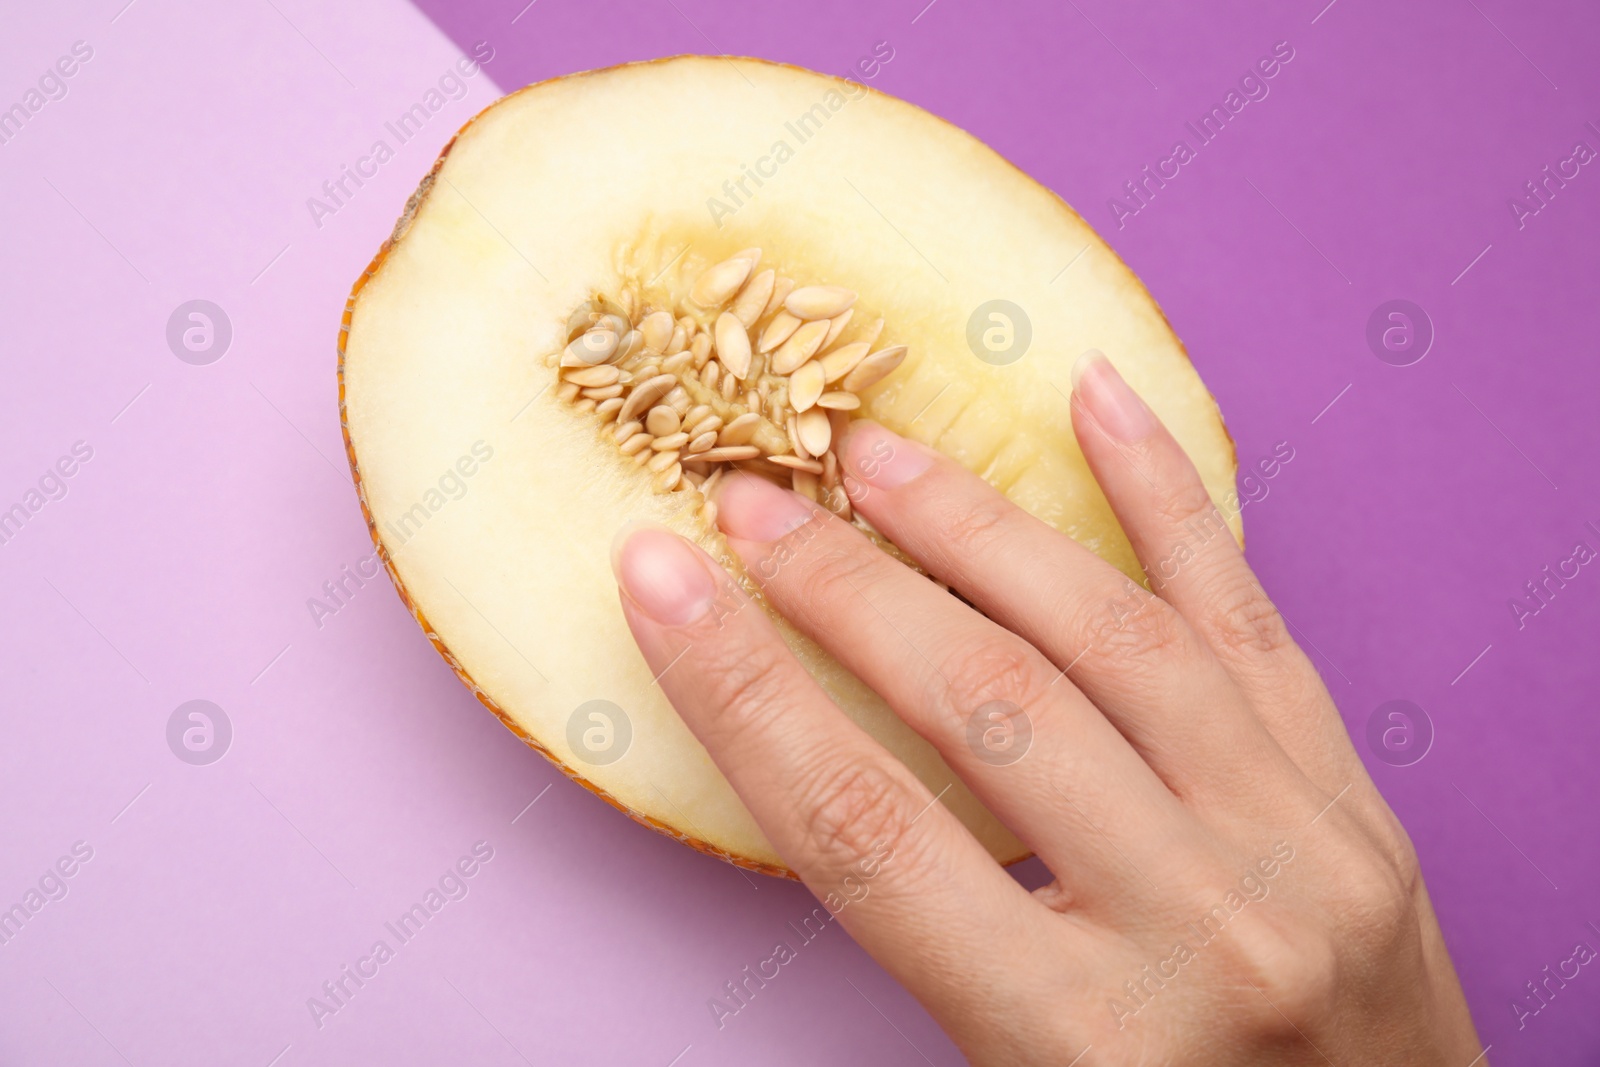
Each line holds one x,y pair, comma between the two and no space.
750,372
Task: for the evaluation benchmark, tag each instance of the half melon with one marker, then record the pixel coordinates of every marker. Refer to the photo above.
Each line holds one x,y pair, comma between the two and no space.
660,251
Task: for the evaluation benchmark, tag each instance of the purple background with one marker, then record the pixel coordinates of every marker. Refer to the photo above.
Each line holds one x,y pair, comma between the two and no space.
179,564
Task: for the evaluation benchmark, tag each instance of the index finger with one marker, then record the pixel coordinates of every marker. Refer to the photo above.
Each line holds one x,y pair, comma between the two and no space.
834,803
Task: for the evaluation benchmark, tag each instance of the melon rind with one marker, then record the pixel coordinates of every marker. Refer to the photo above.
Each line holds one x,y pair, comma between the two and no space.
1040,469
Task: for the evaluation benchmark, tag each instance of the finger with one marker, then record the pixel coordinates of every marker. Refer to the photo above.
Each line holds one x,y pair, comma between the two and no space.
828,797
958,679
1193,562
1127,650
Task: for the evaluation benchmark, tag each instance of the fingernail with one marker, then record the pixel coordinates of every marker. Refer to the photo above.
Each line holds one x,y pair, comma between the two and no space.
882,459
751,508
1114,405
662,575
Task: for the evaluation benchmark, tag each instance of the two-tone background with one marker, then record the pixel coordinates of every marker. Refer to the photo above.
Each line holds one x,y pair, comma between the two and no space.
172,503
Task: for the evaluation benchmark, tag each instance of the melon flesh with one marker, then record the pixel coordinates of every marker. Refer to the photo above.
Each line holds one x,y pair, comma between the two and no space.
495,503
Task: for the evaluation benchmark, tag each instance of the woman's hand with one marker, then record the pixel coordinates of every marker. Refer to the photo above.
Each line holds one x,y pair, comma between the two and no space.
1230,886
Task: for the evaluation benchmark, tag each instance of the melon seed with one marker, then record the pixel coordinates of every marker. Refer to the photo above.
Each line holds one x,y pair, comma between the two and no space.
800,346
657,330
685,397
815,431
818,301
661,421
778,330
716,285
733,344
752,299
874,368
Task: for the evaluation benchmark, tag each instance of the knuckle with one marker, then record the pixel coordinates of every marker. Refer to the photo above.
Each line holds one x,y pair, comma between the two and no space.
1282,967
1244,620
1296,974
1403,854
850,811
1278,959
1140,627
993,667
746,684
1374,904
836,573
972,526
1180,503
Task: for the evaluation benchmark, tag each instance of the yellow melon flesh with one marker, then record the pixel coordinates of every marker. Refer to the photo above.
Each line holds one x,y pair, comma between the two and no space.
495,502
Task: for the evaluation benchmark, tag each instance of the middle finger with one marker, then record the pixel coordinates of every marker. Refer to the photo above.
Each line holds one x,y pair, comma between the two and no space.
1127,649
960,681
